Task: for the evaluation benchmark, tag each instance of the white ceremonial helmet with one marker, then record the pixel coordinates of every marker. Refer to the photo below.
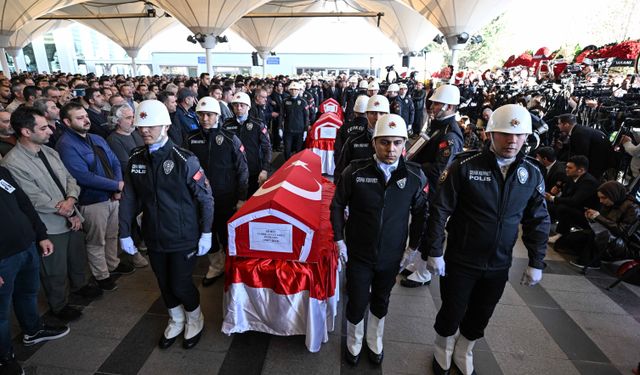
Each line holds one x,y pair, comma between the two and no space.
241,97
378,103
447,94
390,125
151,113
511,119
208,104
361,104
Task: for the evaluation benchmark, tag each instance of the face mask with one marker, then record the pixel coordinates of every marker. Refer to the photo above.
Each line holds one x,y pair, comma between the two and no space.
243,118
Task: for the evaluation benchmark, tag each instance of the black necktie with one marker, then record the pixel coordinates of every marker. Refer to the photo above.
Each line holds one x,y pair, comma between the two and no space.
53,175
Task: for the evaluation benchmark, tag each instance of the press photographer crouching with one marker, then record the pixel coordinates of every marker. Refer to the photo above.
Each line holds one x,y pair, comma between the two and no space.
613,233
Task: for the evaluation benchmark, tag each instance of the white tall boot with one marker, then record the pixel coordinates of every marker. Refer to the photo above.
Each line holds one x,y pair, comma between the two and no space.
420,277
443,353
375,332
463,355
194,326
355,333
174,328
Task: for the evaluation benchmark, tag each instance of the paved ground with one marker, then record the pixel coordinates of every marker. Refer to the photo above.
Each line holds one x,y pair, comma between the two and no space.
568,325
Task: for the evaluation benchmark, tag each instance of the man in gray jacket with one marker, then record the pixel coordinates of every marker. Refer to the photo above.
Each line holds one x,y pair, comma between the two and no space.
54,193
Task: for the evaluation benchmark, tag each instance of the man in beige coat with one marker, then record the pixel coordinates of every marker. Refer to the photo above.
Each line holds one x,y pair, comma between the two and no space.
53,192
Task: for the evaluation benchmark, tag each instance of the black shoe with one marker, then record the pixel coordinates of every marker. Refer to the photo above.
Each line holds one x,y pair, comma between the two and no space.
583,265
406,273
67,314
207,281
413,284
47,333
190,343
437,370
123,269
107,284
374,358
350,358
164,342
89,291
9,366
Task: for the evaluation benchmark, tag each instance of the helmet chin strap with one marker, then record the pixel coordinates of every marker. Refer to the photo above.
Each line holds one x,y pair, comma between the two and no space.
442,111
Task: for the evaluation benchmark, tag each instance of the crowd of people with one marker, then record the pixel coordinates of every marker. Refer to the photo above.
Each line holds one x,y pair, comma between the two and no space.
500,150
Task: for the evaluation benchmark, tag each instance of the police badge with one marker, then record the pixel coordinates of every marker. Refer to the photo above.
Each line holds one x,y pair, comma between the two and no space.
219,139
168,166
523,175
249,126
401,183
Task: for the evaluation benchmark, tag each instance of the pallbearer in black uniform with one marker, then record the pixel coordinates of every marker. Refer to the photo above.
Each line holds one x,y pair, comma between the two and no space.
483,198
382,192
222,157
177,214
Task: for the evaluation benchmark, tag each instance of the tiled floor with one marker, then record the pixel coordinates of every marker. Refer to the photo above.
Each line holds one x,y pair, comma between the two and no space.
568,325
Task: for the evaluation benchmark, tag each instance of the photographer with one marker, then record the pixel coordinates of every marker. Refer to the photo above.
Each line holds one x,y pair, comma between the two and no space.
608,237
634,151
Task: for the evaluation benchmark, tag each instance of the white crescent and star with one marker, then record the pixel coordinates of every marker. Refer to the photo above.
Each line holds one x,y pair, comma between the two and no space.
314,195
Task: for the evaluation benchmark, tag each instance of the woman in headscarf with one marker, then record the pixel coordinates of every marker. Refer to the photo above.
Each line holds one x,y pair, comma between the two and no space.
610,238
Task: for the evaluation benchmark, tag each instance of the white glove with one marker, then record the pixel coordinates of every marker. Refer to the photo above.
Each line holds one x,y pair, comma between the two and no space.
531,276
408,258
342,250
436,265
204,245
127,245
239,205
262,177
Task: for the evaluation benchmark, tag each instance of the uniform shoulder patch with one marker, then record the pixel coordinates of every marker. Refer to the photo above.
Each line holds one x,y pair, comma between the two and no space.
137,151
468,155
443,176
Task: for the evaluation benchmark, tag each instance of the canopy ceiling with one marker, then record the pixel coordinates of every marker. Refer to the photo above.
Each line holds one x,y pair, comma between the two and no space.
129,33
208,16
266,33
411,24
403,25
32,30
16,13
452,17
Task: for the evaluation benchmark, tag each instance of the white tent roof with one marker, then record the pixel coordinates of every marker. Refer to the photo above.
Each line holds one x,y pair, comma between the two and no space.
128,33
32,30
266,33
452,17
403,25
16,13
208,16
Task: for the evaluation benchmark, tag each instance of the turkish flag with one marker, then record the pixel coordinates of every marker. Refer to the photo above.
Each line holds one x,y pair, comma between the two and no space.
281,218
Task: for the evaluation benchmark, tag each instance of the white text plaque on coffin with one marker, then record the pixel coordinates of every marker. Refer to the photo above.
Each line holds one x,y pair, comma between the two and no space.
328,132
271,237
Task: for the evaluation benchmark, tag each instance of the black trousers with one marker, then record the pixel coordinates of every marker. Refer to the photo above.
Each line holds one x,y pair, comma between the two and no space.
569,217
276,140
174,272
292,143
369,284
469,297
225,207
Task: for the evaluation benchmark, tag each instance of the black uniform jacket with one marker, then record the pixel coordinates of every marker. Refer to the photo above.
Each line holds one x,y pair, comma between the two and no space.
175,196
358,146
222,157
378,224
484,211
254,136
445,143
